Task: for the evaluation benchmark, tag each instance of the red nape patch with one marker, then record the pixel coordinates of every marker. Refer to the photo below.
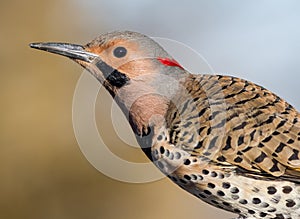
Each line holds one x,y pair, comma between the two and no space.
169,62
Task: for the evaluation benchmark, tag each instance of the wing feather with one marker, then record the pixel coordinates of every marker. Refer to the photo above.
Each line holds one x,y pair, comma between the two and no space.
243,124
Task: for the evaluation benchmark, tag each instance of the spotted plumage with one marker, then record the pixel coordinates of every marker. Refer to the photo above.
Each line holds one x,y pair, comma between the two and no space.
239,146
228,141
230,120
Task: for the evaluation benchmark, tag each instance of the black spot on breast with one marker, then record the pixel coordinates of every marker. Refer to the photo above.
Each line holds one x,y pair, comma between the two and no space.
187,162
191,177
256,201
287,189
226,185
221,176
234,190
220,193
207,192
264,205
279,216
211,185
243,201
187,177
214,202
290,203
162,149
213,174
272,210
251,212
159,138
236,210
272,190
205,172
200,177
262,214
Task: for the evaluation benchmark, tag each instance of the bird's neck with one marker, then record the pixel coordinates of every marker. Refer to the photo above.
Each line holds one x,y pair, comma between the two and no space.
148,111
143,109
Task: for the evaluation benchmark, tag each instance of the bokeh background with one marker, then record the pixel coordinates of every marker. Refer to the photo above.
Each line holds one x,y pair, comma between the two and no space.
43,173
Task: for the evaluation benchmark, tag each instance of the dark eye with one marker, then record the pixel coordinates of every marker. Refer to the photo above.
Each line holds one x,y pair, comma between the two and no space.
120,52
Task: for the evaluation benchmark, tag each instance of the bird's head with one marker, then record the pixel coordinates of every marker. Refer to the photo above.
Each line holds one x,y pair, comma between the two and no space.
132,67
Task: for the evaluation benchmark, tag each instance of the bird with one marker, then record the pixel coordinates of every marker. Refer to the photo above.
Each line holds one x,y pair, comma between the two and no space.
228,141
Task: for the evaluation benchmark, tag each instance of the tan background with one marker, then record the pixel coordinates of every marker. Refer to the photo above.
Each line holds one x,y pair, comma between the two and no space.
43,173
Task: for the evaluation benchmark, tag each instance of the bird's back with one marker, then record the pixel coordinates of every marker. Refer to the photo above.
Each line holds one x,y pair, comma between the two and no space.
225,133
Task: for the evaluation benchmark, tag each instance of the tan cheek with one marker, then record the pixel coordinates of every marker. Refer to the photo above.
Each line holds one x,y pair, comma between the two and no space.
107,56
137,63
138,68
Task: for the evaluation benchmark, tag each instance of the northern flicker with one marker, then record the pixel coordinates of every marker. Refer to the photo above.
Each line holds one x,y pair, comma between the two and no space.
228,141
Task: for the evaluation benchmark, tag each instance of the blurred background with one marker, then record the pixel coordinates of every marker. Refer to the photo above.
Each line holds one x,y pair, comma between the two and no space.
42,170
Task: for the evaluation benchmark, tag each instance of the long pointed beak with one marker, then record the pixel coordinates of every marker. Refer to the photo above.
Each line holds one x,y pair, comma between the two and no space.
72,51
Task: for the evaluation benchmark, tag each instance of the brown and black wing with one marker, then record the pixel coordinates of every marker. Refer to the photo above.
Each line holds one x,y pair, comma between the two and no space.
235,122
